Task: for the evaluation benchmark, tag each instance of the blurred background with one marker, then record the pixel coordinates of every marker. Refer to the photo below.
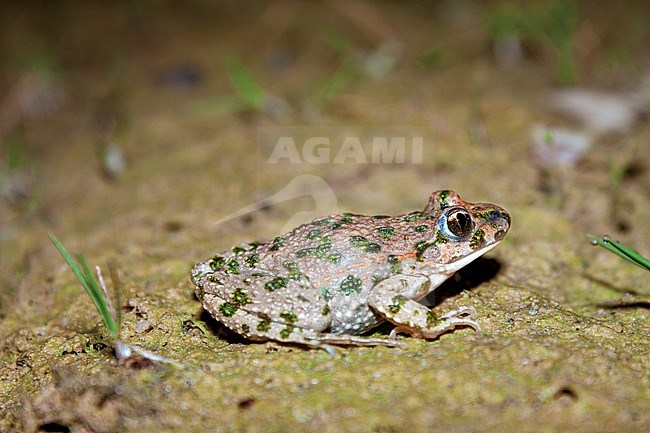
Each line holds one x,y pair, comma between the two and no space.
129,128
163,104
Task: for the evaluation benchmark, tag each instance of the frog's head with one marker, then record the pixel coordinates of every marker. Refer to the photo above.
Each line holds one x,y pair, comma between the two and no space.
464,231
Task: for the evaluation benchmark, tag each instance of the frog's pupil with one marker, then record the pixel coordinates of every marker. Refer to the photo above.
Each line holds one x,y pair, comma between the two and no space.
459,223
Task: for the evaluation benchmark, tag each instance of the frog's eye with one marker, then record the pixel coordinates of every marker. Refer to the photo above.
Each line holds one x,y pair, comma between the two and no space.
456,223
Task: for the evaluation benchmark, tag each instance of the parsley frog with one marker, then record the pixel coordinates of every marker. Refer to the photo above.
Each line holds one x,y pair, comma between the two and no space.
339,276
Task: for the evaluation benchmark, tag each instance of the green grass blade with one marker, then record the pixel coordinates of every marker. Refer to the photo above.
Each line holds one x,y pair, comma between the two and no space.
98,297
68,259
85,276
622,251
250,92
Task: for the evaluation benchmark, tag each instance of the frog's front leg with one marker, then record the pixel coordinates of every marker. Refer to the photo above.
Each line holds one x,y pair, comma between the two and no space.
393,299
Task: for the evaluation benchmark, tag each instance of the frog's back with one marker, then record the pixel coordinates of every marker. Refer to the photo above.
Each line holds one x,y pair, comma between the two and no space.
345,255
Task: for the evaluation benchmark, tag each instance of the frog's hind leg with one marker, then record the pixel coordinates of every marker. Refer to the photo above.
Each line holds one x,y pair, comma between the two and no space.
283,333
258,327
264,329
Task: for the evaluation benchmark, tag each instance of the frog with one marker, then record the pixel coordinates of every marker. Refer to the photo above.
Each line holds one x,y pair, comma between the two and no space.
329,282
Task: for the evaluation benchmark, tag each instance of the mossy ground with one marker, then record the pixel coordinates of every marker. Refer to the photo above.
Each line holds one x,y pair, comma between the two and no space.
566,327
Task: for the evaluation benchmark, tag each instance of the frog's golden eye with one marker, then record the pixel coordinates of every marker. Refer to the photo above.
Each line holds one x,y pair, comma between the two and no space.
456,223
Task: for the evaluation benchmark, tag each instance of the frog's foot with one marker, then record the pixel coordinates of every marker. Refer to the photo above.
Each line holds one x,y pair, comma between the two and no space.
463,316
393,299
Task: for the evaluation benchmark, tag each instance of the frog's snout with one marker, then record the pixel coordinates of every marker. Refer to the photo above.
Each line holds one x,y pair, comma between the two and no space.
499,219
198,271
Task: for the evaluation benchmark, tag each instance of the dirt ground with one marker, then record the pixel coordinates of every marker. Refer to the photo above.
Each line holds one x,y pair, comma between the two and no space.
135,130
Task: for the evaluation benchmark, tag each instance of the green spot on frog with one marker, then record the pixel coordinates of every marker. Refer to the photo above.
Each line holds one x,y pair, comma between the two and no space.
240,297
421,247
286,332
264,325
214,279
217,262
395,264
386,231
318,252
254,245
443,199
288,316
275,284
325,292
413,217
334,258
245,328
439,238
351,285
478,239
421,228
364,244
232,267
398,303
278,243
346,220
432,319
491,215
314,234
228,309
322,222
252,260
325,310
294,271
238,250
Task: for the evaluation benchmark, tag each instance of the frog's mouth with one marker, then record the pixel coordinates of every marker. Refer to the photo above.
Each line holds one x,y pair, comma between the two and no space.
450,268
